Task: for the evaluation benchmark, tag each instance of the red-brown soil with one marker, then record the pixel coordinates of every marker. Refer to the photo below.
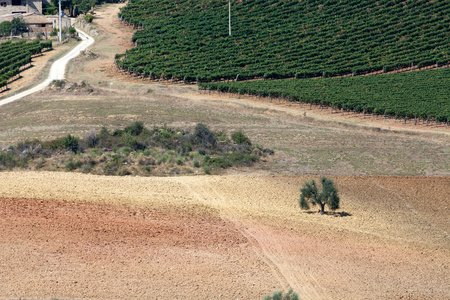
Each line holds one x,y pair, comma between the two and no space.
82,236
83,250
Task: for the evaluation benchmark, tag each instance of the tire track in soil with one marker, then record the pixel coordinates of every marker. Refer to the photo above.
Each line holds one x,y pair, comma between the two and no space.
263,253
276,250
270,250
200,193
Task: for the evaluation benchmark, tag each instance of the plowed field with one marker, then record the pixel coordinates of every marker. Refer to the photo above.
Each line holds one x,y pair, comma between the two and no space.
70,235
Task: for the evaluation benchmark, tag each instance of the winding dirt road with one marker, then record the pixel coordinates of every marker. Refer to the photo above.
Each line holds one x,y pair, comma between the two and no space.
57,70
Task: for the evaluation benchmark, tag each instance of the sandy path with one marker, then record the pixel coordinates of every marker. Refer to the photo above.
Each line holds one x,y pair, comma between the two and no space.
57,70
385,248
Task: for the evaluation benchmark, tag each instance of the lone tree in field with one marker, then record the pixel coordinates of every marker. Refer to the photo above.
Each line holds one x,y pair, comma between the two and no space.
309,194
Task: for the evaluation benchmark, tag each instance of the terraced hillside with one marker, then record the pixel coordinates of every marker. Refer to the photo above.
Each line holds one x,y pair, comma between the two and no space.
189,39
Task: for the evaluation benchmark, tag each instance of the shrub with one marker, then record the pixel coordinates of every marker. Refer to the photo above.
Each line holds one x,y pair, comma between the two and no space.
86,168
184,149
88,18
169,146
278,295
71,165
201,151
204,137
7,160
240,138
135,128
96,152
165,134
110,169
126,151
40,163
59,83
217,162
131,141
207,169
117,159
72,30
196,163
70,143
242,159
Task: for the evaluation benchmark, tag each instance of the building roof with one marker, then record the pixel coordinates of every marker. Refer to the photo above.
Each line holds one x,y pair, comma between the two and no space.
30,18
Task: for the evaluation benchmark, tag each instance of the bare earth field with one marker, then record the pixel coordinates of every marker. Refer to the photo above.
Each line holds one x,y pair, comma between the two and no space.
240,235
72,235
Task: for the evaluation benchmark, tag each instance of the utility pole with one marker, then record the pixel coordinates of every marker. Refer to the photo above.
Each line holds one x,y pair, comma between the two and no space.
229,17
60,22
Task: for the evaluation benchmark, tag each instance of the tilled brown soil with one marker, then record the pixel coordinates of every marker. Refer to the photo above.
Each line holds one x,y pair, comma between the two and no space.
83,250
82,236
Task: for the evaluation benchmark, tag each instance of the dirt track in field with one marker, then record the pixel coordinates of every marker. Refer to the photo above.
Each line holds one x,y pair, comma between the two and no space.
71,235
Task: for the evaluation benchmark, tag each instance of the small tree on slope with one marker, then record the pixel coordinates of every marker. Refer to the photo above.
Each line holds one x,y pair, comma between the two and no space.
309,194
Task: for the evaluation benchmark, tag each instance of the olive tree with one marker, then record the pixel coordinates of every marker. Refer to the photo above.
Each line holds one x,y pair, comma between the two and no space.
309,194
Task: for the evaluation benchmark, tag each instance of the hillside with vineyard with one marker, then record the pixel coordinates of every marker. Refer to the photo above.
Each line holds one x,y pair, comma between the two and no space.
189,40
414,95
16,55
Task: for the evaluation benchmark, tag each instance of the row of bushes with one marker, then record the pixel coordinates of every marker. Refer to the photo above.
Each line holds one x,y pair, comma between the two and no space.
135,147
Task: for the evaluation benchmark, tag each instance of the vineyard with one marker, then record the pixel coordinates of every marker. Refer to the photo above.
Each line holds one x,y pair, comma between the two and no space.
188,40
422,94
14,55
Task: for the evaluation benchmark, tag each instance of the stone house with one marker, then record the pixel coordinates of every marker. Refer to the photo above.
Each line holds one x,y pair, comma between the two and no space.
20,6
31,11
35,21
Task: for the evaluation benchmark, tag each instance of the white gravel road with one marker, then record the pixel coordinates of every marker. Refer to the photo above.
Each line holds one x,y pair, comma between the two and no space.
57,69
